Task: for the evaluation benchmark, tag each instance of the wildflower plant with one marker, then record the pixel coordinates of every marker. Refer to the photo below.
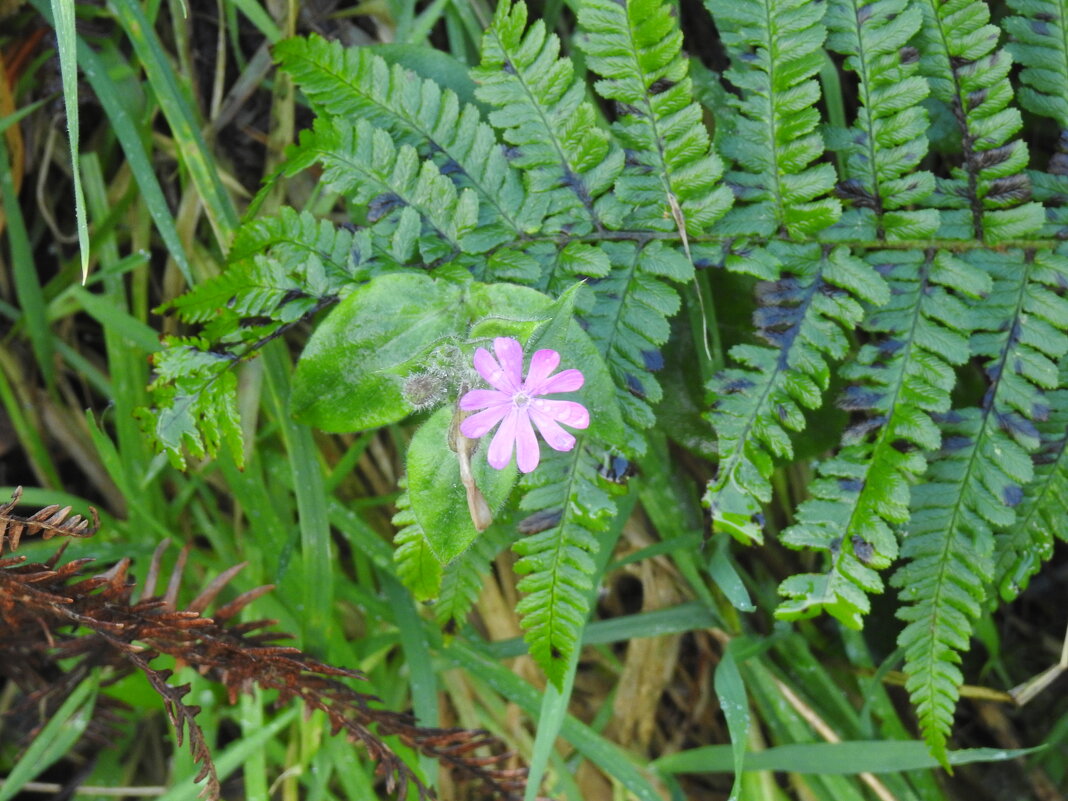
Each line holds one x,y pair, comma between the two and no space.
515,403
500,208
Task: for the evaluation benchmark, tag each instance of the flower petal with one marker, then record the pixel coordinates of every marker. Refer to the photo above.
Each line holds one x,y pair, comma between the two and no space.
567,381
500,449
492,373
510,355
478,425
569,413
483,398
554,436
527,451
542,363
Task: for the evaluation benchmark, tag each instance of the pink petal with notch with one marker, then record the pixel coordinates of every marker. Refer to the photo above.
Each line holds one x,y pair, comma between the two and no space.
567,381
569,413
510,355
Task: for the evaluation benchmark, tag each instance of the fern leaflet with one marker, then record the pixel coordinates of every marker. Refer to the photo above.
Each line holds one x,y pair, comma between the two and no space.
543,114
637,46
350,82
775,48
888,140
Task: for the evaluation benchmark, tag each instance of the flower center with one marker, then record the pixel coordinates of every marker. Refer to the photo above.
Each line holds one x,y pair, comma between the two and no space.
521,399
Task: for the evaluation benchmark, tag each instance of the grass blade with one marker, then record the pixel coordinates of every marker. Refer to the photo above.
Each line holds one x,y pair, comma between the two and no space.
63,19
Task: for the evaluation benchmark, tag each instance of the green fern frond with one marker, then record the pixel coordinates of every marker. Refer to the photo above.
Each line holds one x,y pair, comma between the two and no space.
417,565
1041,46
888,141
542,111
353,82
282,269
776,49
968,73
462,579
975,484
410,204
637,47
278,268
802,318
949,553
195,397
557,562
862,494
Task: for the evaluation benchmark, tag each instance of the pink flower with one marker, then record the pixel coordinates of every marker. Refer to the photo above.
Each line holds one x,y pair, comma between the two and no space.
517,403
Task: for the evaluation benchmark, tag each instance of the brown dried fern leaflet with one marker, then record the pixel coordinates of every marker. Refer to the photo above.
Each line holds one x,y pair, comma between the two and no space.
47,608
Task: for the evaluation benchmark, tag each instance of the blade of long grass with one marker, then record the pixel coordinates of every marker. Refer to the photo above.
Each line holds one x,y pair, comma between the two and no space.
254,772
309,488
845,759
730,690
66,41
16,116
260,19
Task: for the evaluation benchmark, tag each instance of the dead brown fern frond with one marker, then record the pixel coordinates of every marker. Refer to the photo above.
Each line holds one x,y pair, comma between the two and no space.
60,621
48,522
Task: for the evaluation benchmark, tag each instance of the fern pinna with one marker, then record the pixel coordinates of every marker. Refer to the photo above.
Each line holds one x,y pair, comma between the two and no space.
905,262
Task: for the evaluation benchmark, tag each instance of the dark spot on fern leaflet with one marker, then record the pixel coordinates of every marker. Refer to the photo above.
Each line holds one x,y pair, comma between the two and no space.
863,549
511,151
627,110
1011,495
859,399
902,445
507,67
249,322
617,469
1017,426
539,521
382,205
956,443
737,385
1012,189
660,85
555,653
1044,16
632,159
782,413
635,387
854,191
653,360
450,167
990,158
851,485
1040,27
864,14
976,98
